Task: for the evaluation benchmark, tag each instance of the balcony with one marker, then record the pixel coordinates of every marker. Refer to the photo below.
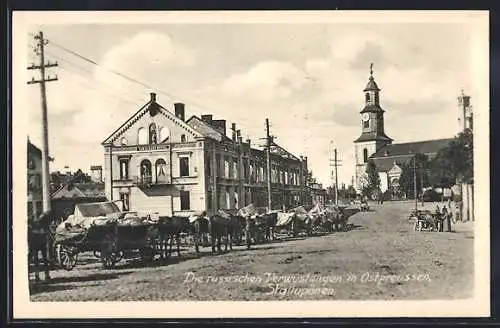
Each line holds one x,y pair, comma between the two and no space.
148,181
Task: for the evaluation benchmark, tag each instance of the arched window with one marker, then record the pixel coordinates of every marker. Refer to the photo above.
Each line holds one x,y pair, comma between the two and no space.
365,155
367,97
145,171
142,136
161,170
164,134
153,137
183,138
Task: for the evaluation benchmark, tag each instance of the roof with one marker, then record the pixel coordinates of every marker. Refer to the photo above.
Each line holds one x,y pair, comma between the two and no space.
34,149
374,108
97,209
385,164
205,129
140,113
371,136
419,147
80,190
96,167
372,85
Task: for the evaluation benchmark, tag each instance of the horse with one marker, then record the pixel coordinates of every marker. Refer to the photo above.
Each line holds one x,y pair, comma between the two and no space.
301,222
170,228
270,220
40,240
199,229
226,226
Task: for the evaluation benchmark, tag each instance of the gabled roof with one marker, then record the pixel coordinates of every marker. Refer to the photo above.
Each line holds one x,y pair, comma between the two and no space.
140,113
80,190
34,149
205,129
278,150
411,148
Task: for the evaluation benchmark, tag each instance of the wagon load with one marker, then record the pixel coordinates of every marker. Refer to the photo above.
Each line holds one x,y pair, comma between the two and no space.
284,219
249,210
85,217
318,209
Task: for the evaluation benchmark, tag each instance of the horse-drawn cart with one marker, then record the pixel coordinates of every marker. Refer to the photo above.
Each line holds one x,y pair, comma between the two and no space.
425,220
111,235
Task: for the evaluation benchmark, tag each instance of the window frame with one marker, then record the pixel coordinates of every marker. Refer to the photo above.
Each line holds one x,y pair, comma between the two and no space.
182,172
185,196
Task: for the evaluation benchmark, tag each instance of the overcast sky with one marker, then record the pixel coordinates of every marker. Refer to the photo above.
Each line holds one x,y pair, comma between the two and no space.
306,78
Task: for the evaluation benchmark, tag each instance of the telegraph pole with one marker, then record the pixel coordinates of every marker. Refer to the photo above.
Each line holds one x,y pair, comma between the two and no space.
41,42
415,181
268,160
336,163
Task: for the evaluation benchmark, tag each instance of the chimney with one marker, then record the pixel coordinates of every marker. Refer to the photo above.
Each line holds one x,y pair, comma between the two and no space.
96,173
238,136
207,119
153,96
179,110
233,129
219,125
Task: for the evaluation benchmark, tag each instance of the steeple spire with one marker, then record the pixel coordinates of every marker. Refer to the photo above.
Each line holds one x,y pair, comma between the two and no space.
371,70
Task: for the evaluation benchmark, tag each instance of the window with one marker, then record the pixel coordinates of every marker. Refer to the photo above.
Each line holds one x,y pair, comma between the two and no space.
161,170
365,155
184,166
367,97
141,136
185,200
145,172
236,198
366,124
183,138
153,138
235,169
124,197
218,169
226,169
123,169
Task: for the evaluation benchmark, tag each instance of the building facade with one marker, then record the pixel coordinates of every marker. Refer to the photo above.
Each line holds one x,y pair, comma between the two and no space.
158,161
35,195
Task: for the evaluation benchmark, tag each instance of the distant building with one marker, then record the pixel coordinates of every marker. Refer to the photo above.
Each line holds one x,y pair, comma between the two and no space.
316,193
76,190
35,196
388,157
159,161
96,173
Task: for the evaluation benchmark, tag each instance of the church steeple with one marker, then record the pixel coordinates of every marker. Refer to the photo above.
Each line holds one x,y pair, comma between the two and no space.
372,115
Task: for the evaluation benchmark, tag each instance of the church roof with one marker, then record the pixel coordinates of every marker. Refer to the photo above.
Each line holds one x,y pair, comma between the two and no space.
372,85
34,149
384,164
409,148
372,136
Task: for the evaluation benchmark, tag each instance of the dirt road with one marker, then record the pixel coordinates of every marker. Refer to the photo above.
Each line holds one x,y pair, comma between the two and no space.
379,258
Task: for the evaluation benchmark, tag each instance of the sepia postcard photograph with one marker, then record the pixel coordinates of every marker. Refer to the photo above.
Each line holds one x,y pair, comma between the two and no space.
250,164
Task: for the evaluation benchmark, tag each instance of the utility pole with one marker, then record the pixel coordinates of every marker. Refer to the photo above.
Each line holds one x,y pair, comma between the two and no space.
422,182
336,163
415,181
268,160
41,42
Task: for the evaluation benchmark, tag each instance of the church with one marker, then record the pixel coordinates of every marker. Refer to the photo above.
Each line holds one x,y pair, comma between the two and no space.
374,144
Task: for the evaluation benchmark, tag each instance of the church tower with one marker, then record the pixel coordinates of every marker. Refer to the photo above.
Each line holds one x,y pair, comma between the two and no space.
464,113
372,136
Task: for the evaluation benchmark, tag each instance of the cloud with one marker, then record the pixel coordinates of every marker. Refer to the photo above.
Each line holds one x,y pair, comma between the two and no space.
265,81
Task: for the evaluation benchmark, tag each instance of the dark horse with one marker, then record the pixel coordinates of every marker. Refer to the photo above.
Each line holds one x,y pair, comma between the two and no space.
40,240
170,229
199,229
228,227
269,220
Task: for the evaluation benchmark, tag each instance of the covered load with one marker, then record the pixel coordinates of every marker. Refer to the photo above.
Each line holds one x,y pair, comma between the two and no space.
249,210
317,209
284,218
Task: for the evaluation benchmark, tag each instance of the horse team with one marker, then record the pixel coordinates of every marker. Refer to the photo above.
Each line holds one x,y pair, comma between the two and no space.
221,228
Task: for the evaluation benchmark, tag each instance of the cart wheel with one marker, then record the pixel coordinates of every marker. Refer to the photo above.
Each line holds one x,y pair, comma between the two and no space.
67,258
108,251
108,260
147,254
